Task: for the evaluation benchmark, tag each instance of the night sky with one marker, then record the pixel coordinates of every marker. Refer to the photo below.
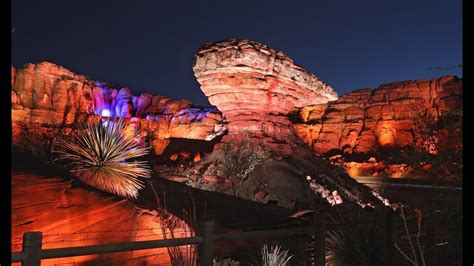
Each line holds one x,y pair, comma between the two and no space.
149,46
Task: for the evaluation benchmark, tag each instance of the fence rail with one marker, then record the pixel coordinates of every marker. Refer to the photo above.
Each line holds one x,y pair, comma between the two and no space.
32,252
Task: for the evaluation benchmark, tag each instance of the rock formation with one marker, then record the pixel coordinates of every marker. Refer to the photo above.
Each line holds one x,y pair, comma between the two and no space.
255,87
46,97
71,216
366,120
258,90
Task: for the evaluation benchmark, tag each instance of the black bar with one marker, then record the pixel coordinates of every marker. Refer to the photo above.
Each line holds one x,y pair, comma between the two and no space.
320,239
388,238
118,247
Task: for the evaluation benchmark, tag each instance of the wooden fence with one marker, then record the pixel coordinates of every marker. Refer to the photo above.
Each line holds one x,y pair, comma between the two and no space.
32,252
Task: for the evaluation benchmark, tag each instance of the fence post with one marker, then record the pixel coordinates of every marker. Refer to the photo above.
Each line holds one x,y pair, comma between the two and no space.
388,237
206,249
431,254
32,248
319,239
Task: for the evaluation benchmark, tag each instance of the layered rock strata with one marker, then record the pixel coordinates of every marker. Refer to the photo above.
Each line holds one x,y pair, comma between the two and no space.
255,87
71,216
47,97
367,120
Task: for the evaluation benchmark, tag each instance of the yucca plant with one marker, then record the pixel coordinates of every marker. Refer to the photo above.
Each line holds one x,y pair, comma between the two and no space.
275,256
100,155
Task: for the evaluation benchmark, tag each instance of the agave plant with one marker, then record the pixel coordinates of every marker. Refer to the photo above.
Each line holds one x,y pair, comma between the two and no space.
275,256
100,154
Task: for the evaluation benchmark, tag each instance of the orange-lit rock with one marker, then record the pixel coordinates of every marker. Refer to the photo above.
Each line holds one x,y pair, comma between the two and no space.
258,91
71,216
356,169
366,120
197,157
46,96
398,170
210,178
174,157
255,87
427,167
185,155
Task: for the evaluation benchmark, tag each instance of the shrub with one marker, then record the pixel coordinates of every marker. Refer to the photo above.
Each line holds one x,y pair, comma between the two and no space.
239,159
100,155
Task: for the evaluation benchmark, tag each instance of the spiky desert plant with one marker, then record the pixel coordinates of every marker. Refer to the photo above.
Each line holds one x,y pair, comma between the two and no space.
275,256
100,155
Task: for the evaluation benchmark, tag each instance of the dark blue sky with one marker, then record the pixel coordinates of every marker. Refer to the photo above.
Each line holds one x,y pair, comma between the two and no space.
149,46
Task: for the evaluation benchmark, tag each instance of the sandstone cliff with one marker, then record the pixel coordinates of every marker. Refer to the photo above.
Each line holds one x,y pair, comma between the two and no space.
366,120
47,97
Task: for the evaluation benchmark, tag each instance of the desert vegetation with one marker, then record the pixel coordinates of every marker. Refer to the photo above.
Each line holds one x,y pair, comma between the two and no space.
239,160
103,155
275,256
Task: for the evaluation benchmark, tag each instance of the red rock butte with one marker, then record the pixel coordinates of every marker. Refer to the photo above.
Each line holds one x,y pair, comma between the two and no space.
256,87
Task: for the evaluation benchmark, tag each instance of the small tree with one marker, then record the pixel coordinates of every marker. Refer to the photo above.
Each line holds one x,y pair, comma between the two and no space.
440,133
417,250
239,159
439,143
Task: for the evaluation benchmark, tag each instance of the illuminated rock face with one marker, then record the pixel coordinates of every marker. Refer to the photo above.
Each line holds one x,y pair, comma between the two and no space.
71,216
251,95
365,120
255,87
45,96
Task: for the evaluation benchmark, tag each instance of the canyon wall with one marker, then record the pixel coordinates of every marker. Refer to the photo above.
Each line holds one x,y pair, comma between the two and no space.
47,98
366,120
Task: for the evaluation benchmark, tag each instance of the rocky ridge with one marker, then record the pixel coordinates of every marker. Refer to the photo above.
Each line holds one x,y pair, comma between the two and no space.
46,97
367,120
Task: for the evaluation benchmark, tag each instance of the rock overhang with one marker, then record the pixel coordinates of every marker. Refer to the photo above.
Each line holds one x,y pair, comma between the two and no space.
248,59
